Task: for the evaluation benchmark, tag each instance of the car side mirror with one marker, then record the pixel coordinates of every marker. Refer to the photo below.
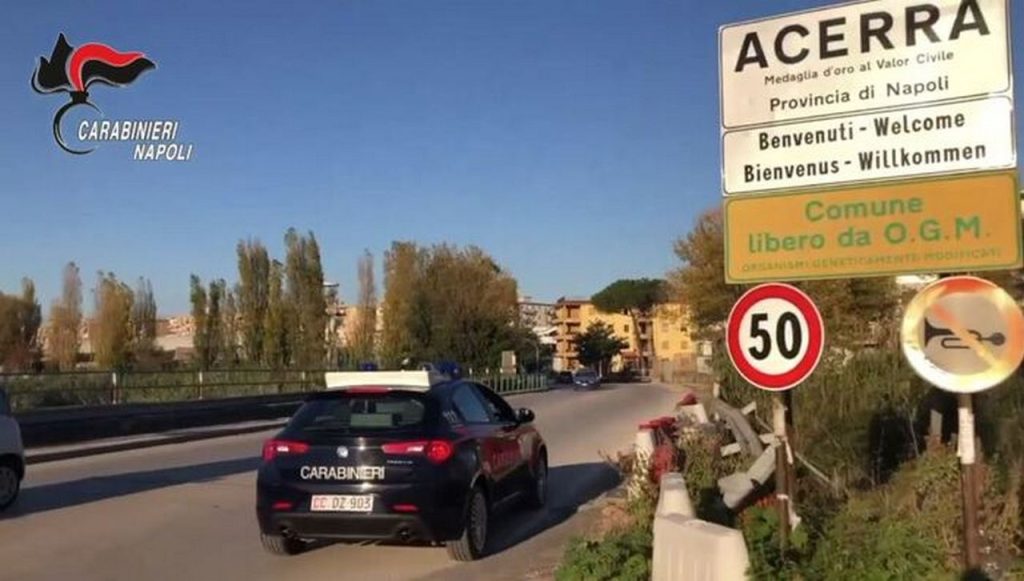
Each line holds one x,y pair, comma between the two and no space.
524,416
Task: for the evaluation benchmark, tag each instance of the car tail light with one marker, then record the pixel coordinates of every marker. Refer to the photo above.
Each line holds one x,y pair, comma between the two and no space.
405,508
282,505
437,451
274,448
405,448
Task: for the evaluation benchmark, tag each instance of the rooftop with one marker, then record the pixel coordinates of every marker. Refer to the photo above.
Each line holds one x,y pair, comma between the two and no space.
572,300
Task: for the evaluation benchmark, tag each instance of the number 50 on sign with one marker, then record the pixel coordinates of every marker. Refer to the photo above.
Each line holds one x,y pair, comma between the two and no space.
775,336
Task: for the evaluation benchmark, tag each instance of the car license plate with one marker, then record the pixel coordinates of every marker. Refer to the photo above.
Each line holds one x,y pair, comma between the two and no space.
341,503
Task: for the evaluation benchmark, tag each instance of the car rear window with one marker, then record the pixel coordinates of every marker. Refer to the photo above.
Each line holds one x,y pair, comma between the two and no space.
357,413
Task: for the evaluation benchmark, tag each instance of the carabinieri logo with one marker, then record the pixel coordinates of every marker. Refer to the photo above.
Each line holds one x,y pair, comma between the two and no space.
73,70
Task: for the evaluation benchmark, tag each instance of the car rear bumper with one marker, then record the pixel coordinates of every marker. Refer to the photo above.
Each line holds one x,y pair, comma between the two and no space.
356,527
437,515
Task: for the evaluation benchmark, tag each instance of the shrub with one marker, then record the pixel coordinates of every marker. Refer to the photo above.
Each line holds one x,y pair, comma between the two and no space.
702,467
865,545
861,418
909,528
621,555
624,552
760,525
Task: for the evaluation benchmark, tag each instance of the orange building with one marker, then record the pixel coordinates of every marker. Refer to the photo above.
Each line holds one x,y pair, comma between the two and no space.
662,339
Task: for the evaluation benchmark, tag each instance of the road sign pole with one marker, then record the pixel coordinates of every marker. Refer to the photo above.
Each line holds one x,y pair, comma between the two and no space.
782,497
775,338
964,335
787,401
968,479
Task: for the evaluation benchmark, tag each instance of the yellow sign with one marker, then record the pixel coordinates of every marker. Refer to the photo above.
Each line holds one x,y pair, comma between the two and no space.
954,224
963,334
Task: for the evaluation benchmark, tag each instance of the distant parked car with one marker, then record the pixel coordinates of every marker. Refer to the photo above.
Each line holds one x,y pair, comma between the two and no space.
564,378
586,379
12,454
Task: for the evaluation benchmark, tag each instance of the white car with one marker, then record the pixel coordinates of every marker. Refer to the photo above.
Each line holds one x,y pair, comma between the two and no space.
12,454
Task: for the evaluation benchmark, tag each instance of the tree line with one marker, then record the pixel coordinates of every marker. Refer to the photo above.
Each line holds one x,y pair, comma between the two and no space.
446,302
122,331
439,302
274,316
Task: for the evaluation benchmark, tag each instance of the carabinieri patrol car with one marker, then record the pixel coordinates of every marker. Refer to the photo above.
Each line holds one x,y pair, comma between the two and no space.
409,456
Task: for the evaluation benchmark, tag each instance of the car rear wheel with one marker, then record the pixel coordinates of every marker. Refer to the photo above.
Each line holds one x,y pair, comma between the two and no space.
10,483
278,545
538,495
470,546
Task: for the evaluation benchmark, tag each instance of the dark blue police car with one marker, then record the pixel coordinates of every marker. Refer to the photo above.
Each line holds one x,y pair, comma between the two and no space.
412,456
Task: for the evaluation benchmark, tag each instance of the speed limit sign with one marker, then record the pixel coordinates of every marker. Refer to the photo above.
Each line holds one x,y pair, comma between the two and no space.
775,336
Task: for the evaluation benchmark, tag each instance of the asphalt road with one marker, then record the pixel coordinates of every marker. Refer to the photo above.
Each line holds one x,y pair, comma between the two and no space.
186,512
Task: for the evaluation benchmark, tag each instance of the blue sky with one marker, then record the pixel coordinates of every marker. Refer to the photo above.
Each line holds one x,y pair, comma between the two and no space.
573,140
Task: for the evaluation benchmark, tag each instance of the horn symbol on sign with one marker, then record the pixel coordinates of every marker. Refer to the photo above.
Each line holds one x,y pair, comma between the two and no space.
951,341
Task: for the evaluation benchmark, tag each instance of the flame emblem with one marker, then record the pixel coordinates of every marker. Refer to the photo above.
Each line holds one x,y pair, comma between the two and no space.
73,70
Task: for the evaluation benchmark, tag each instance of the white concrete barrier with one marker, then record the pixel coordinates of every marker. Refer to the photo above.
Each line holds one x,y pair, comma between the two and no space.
645,443
643,454
694,550
689,549
674,498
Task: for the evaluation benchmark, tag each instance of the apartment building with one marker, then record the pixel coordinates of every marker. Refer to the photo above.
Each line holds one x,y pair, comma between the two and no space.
348,323
661,340
535,314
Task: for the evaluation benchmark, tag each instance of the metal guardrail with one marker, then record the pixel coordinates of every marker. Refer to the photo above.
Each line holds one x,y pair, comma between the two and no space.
503,384
101,388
